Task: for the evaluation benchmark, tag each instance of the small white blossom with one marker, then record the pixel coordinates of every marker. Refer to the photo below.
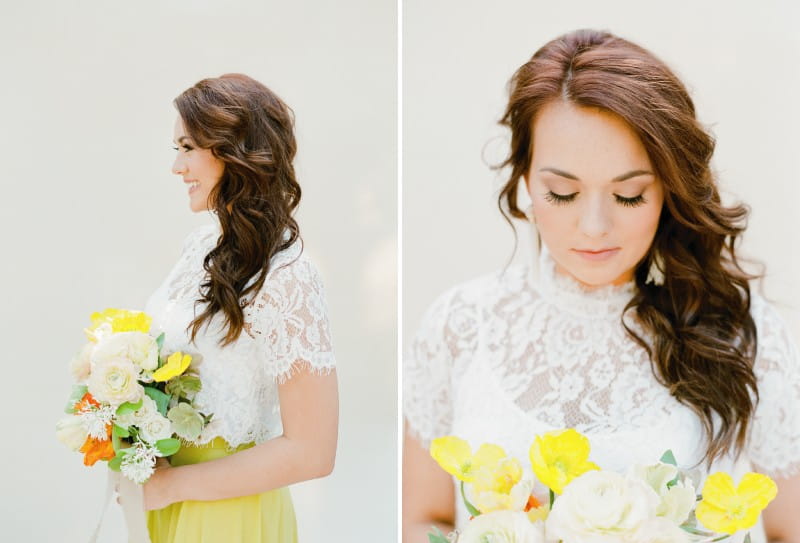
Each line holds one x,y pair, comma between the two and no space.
140,464
95,420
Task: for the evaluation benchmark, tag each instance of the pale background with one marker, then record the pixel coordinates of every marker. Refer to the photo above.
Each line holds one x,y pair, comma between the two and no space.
740,62
92,217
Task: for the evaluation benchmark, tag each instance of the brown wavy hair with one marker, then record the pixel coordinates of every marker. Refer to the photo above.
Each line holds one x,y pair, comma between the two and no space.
251,130
702,338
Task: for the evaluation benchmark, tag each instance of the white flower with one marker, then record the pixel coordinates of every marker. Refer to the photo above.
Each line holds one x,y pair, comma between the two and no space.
601,507
139,465
140,415
80,366
515,500
676,502
114,381
95,420
502,527
155,428
70,432
138,347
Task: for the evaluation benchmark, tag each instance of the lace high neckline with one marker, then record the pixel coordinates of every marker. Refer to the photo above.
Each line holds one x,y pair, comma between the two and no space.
569,294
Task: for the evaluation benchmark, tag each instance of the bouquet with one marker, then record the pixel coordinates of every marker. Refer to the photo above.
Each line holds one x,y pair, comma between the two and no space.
132,402
577,501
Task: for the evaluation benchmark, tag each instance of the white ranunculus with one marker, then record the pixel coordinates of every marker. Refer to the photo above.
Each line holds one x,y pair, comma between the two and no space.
660,530
601,507
154,428
675,503
114,381
70,432
81,364
138,347
502,527
148,408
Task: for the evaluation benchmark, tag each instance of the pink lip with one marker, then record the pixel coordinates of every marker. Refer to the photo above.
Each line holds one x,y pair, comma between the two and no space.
189,181
602,254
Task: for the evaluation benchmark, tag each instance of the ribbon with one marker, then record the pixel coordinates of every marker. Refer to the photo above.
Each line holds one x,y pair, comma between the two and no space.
131,498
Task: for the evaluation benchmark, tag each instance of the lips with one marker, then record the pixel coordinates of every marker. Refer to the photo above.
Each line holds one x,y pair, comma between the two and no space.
597,254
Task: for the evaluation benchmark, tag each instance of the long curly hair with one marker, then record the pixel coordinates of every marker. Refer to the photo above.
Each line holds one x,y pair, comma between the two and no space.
251,131
701,337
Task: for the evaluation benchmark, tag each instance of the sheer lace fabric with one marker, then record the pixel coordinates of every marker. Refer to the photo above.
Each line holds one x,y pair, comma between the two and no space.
507,356
286,329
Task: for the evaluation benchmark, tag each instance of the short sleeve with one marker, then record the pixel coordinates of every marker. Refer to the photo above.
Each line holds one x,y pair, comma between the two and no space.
446,337
289,321
775,438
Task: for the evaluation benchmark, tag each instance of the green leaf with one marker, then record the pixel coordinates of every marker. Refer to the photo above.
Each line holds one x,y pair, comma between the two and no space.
116,442
75,396
119,431
160,341
436,536
669,458
161,399
169,446
116,462
747,538
127,408
184,386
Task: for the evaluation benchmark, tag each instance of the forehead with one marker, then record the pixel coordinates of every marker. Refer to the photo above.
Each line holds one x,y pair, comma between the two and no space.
178,129
587,142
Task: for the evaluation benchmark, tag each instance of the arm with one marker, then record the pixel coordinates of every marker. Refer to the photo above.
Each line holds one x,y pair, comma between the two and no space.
306,450
428,494
781,518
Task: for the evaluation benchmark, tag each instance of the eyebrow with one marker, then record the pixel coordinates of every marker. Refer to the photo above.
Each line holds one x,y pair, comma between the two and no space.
623,177
181,139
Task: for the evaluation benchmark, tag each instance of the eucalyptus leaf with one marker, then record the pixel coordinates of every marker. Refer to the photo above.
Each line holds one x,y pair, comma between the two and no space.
669,458
119,431
436,536
168,447
127,408
160,341
161,399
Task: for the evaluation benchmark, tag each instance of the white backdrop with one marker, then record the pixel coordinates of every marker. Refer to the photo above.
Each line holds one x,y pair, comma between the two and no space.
92,217
741,64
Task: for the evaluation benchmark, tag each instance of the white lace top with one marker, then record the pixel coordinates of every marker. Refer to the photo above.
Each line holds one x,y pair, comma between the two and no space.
505,357
286,328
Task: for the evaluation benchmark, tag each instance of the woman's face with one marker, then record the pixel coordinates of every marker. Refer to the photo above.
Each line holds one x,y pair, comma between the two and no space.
200,169
596,200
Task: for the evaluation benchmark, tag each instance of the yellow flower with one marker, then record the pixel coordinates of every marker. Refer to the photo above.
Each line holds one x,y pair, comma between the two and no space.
176,365
727,509
498,477
118,320
559,457
455,456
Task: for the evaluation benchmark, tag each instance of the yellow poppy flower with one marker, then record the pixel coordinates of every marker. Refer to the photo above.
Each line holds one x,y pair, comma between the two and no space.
728,509
454,455
498,477
560,456
120,320
176,365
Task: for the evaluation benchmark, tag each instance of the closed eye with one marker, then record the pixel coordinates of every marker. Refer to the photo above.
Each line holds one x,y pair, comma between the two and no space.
561,199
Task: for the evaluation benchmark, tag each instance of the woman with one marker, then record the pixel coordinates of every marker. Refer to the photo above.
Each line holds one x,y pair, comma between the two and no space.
635,324
249,306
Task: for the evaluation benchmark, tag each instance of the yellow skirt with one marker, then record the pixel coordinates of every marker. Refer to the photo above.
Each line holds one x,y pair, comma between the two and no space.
261,518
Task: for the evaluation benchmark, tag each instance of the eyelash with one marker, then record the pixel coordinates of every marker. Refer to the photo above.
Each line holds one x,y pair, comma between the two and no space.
183,147
562,199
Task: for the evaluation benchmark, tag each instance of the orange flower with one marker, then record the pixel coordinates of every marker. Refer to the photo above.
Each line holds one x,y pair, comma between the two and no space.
97,449
85,402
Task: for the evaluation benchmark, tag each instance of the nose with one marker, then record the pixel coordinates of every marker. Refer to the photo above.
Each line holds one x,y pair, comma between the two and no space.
595,220
179,165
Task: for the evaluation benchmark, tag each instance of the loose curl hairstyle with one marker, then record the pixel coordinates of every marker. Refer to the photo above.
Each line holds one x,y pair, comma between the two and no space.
251,131
701,337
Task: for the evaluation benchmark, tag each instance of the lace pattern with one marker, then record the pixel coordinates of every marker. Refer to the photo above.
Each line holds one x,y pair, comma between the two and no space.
286,330
507,356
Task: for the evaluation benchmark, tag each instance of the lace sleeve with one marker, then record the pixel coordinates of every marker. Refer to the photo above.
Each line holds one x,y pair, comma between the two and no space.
775,437
289,320
447,335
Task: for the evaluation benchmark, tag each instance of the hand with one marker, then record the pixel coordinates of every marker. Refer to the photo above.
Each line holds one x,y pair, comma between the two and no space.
156,488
